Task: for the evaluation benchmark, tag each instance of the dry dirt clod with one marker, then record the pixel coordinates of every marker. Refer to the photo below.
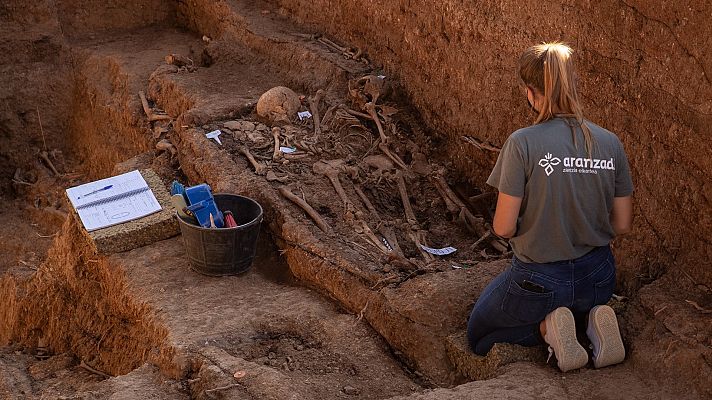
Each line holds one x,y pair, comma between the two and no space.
278,105
259,168
286,193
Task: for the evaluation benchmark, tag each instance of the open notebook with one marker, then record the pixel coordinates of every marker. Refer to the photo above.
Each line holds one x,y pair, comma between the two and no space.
113,201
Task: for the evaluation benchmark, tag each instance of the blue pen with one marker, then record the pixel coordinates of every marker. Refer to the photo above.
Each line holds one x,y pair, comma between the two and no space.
95,191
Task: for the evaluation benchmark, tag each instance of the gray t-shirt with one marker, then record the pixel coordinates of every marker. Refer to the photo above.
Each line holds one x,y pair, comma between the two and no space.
567,197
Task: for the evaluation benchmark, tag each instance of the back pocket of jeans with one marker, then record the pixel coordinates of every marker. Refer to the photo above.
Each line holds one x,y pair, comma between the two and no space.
603,290
526,306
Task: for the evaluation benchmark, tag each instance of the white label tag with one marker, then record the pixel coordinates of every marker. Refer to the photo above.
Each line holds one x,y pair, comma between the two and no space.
214,135
439,252
287,150
304,114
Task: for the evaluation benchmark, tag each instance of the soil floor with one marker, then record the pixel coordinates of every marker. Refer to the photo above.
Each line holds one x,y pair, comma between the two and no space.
322,313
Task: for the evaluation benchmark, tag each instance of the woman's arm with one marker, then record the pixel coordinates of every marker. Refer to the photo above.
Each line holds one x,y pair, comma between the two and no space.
621,215
505,215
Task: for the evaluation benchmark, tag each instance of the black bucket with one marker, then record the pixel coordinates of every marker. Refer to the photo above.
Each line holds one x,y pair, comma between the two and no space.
224,251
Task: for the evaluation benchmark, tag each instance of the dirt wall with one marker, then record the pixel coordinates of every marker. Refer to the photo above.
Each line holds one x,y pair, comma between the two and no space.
34,79
645,73
81,17
78,302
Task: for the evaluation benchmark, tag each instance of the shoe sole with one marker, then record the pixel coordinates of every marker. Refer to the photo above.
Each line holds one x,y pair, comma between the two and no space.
561,336
605,336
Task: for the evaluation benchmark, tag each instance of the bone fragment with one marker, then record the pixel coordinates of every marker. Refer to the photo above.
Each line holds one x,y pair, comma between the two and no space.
328,115
294,156
372,86
385,230
371,109
149,113
384,139
414,231
409,214
418,237
45,157
275,135
451,206
354,112
330,169
481,145
472,222
481,239
285,192
367,203
259,168
314,107
93,370
165,145
332,44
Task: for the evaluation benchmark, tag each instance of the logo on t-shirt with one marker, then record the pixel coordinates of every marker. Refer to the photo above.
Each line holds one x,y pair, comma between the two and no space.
576,164
548,163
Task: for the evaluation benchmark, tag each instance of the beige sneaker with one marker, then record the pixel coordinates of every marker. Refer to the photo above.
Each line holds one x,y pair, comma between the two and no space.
605,337
561,337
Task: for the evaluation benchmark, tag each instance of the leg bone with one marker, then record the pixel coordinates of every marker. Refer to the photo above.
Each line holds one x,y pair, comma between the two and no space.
275,135
259,168
284,191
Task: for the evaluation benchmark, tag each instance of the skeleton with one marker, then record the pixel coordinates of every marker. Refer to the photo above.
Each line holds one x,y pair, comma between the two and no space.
416,234
284,191
259,168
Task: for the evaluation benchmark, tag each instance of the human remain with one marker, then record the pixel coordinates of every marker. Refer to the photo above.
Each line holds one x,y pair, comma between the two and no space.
564,193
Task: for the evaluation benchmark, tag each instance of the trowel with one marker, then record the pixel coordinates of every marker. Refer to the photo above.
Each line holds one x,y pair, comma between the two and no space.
181,207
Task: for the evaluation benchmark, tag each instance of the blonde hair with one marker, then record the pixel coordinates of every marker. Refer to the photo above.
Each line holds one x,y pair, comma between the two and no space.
549,69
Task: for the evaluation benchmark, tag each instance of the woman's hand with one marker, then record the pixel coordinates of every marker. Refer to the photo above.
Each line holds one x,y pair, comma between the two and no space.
505,215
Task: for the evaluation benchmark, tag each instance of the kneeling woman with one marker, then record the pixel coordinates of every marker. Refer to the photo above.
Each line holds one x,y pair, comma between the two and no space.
561,217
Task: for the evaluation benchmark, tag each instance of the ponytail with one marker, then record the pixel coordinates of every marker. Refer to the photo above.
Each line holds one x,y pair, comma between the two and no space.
548,69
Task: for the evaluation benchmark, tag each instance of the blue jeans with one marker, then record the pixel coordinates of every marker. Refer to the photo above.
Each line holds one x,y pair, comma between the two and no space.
511,307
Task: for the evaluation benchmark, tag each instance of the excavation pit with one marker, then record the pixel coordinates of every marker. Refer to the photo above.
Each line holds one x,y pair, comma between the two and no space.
337,317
